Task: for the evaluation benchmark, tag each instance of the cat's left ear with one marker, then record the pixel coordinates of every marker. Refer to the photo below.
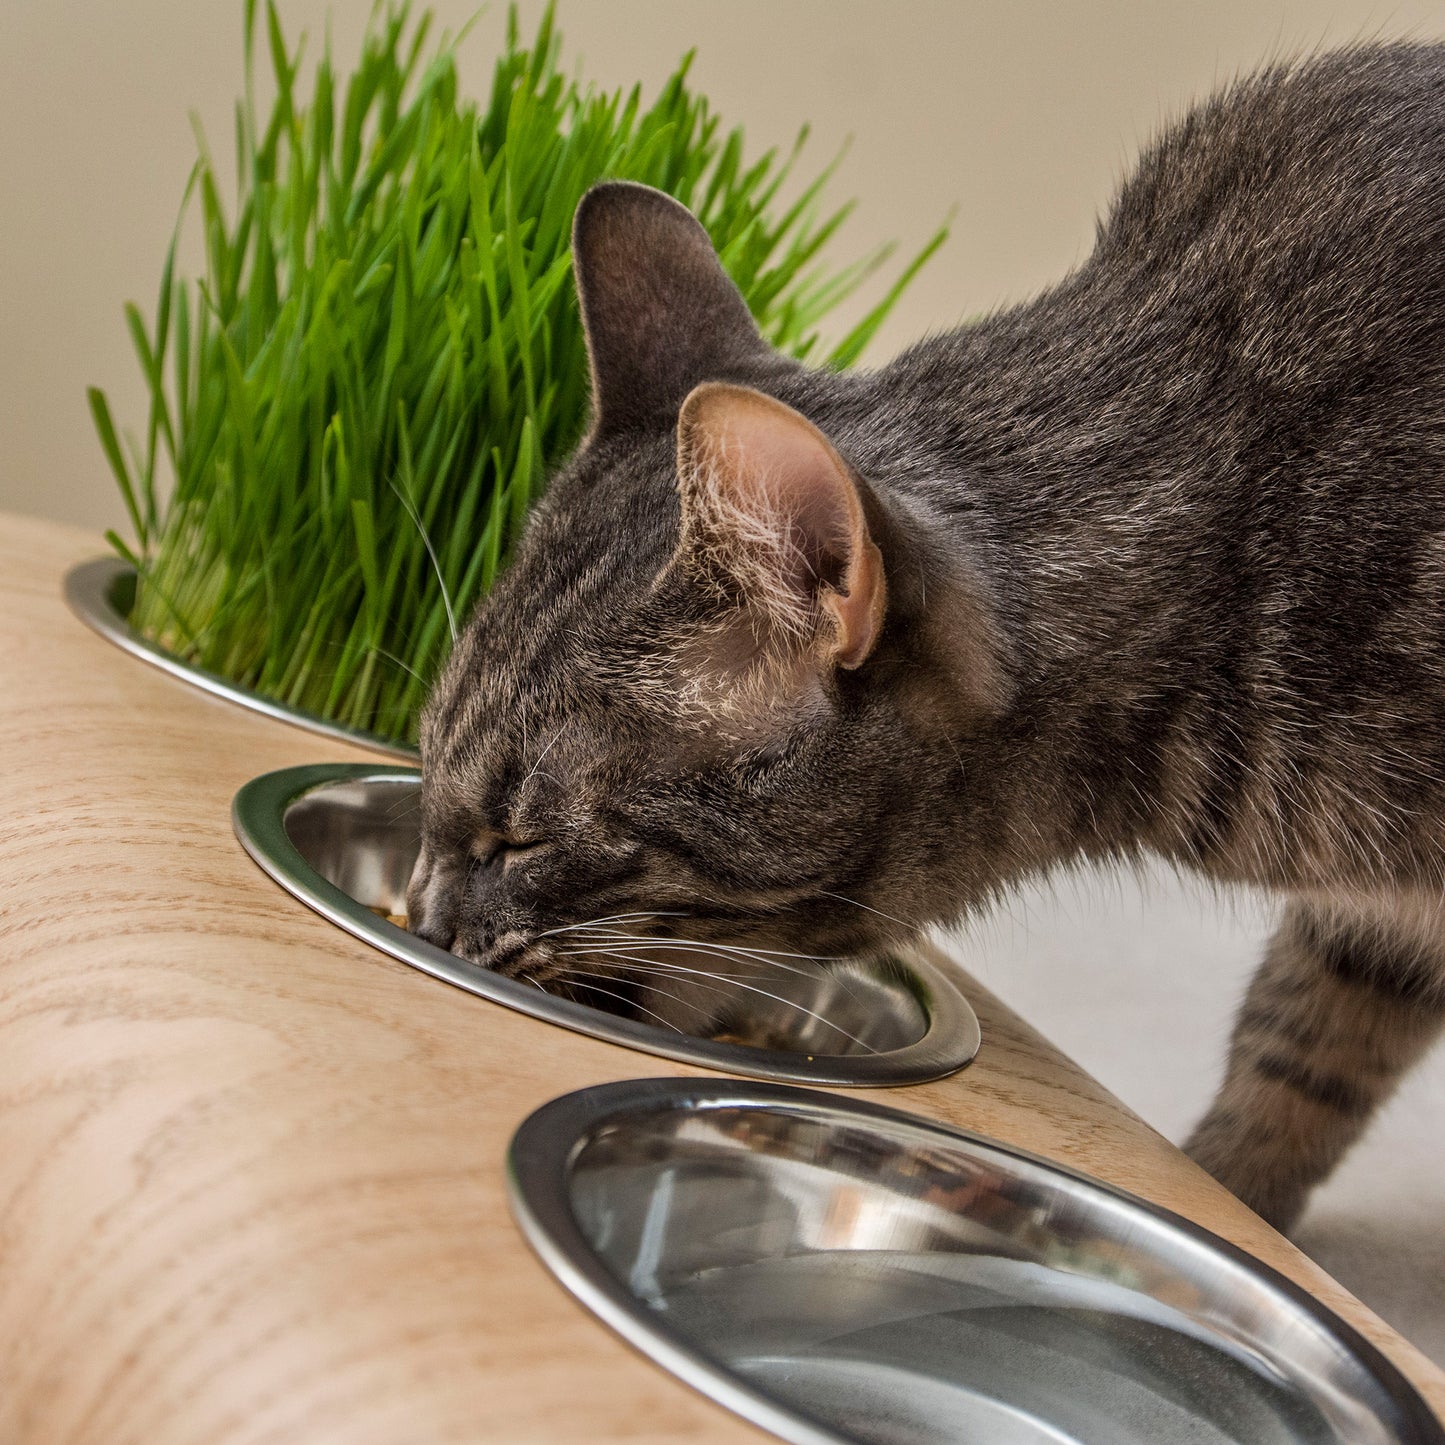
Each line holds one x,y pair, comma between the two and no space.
767,500
659,311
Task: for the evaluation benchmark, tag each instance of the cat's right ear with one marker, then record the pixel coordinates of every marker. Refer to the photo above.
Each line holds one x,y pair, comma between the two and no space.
661,314
768,502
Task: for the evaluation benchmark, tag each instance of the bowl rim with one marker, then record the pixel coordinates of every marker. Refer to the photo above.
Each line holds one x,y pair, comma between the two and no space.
93,591
546,1145
949,1042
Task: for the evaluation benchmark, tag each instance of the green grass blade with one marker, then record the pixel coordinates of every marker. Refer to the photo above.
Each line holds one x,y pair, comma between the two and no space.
362,396
110,444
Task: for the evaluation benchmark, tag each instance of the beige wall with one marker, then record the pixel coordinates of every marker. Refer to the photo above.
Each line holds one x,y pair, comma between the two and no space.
1022,114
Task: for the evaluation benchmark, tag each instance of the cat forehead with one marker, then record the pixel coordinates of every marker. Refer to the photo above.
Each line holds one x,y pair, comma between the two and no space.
539,668
609,489
525,749
574,637
594,543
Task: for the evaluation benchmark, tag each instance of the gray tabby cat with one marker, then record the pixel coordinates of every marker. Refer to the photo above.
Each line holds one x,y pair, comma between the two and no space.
1154,564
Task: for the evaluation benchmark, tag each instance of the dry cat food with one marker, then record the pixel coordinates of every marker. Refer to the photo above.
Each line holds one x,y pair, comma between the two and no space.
399,919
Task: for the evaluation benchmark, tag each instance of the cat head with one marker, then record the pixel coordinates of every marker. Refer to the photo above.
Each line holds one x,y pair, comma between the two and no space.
713,696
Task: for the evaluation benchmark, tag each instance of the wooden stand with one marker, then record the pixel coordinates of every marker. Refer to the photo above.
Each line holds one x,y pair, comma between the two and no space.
251,1169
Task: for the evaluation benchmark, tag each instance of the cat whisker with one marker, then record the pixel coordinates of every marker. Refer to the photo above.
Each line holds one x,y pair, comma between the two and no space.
740,952
415,515
613,918
867,908
396,661
640,963
587,974
660,965
669,945
728,951
556,737
735,949
572,971
400,805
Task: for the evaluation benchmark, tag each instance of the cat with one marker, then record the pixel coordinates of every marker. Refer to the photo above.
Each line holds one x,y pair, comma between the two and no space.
1153,564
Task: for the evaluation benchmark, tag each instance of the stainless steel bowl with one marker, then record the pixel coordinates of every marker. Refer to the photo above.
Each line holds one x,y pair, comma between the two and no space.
101,593
342,838
837,1271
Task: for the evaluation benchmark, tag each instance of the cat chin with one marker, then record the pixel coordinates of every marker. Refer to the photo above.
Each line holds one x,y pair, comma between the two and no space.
513,955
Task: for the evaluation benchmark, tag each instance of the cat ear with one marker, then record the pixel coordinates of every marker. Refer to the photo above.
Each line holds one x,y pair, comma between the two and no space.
660,312
766,498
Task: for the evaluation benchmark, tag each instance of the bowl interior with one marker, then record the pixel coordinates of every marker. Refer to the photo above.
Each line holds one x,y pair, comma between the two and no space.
363,836
893,1283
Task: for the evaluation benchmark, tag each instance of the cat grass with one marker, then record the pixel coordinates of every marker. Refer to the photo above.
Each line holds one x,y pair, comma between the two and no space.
351,411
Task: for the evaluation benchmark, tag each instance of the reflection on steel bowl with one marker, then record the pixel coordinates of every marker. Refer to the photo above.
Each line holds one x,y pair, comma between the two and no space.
838,1271
343,839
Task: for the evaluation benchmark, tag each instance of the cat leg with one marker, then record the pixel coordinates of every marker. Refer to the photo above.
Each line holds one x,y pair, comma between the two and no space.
1341,1007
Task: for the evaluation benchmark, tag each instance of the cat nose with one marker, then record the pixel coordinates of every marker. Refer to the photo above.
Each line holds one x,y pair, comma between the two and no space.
430,915
433,931
502,953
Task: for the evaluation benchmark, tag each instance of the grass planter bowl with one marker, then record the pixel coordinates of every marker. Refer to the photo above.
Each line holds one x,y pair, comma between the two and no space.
101,593
352,411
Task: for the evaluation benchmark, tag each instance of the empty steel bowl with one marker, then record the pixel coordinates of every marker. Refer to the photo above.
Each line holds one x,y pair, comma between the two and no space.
343,839
838,1271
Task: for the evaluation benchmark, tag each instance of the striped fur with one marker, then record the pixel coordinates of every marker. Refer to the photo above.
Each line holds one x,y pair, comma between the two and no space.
1164,552
1343,1004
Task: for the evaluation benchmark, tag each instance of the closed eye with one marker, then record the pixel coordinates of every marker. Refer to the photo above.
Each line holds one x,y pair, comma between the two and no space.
502,850
515,850
756,767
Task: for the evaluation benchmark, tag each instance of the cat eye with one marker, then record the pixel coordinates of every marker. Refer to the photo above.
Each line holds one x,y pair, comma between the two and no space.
514,851
755,766
496,849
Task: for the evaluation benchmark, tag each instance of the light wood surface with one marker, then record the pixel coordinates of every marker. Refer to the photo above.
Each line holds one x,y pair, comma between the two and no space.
251,1170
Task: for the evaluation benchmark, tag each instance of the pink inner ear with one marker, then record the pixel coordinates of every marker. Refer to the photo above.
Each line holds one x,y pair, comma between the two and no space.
766,490
800,478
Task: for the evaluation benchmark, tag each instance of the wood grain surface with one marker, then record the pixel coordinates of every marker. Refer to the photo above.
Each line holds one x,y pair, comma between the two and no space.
251,1170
